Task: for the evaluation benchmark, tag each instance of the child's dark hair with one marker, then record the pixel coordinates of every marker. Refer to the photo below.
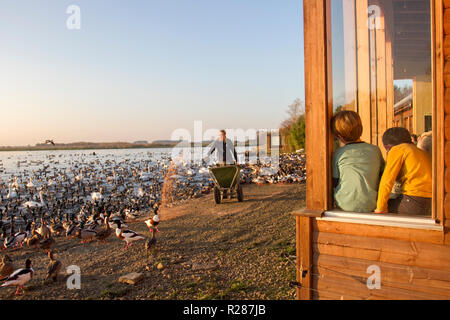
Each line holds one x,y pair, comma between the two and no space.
396,136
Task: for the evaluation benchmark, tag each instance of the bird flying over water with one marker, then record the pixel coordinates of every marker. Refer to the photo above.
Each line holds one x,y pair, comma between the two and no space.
49,142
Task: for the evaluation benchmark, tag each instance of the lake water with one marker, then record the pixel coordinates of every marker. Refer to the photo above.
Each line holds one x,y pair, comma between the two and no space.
16,163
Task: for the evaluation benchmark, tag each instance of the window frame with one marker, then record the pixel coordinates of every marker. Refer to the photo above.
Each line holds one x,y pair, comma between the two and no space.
326,206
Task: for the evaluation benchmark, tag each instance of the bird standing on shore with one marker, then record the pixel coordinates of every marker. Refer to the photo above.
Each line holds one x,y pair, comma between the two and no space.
129,236
151,242
20,277
152,223
6,267
48,243
53,268
104,234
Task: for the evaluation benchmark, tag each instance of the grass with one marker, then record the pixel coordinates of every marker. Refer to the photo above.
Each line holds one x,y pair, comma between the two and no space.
237,286
111,294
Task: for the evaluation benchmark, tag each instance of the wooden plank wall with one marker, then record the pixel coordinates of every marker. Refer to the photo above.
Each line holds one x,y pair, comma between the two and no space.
414,268
446,142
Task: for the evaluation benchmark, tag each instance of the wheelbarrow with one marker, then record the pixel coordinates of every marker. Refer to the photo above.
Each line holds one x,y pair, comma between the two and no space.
226,182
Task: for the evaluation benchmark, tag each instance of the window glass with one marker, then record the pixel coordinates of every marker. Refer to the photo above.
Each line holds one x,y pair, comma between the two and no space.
380,62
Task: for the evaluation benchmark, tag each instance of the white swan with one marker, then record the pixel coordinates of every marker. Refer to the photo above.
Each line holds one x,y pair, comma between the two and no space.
11,193
96,196
30,184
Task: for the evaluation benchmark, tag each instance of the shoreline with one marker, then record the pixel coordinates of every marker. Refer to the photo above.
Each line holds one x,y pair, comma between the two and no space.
26,149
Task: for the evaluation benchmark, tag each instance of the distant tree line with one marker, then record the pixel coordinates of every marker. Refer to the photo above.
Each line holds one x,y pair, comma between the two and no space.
292,129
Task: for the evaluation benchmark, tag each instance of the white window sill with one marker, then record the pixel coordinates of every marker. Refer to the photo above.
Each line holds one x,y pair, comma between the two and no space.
382,220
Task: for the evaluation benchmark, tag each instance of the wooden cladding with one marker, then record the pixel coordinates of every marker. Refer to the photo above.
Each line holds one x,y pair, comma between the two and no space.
318,139
416,267
443,139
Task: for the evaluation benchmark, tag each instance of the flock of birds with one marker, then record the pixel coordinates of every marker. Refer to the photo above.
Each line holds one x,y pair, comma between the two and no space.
99,227
88,197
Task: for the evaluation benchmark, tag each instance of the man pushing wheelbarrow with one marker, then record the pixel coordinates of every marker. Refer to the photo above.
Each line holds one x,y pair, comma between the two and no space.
226,174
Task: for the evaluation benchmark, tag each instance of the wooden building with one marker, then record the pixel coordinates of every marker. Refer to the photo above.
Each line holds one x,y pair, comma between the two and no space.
354,51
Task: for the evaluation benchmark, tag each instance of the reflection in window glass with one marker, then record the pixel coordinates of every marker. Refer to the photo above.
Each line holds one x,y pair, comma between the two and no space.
381,63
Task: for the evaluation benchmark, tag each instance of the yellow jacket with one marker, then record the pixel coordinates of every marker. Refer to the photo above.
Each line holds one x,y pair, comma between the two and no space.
409,165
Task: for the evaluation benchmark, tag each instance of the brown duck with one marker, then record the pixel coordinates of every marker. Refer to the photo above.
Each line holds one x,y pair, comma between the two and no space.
47,244
35,239
6,267
104,234
53,268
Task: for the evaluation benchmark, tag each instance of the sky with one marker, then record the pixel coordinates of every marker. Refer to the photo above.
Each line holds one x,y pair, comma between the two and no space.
139,69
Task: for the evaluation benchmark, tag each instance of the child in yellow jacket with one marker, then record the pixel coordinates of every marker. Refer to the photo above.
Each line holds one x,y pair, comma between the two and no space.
410,166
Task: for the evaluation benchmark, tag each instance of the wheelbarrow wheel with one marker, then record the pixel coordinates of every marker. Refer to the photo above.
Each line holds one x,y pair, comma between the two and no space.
240,193
217,195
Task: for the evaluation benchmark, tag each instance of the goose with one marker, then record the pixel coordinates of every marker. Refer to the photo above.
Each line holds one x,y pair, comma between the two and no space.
129,236
20,277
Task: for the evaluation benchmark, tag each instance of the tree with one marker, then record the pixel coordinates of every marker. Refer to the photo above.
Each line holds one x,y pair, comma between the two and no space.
292,129
295,110
297,134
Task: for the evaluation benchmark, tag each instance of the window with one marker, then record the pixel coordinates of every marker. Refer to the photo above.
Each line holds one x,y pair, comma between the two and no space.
381,64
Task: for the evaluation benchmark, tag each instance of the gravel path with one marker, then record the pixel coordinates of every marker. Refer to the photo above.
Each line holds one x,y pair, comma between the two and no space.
204,251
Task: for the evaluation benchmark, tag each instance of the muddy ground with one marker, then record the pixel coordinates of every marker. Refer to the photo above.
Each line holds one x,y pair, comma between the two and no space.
206,251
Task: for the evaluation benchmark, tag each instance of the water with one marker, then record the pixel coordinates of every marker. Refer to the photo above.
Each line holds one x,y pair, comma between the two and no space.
20,163
17,163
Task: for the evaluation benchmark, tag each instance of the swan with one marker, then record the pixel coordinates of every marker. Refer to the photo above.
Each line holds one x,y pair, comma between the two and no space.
96,196
11,193
30,184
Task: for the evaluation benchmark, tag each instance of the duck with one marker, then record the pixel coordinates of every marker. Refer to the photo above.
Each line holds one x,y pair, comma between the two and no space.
47,244
53,267
85,234
131,215
151,242
16,240
129,236
115,221
152,223
6,267
34,240
56,227
43,230
33,237
71,229
20,277
104,234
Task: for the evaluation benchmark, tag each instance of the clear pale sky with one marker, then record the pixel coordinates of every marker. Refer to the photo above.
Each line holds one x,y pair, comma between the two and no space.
137,70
